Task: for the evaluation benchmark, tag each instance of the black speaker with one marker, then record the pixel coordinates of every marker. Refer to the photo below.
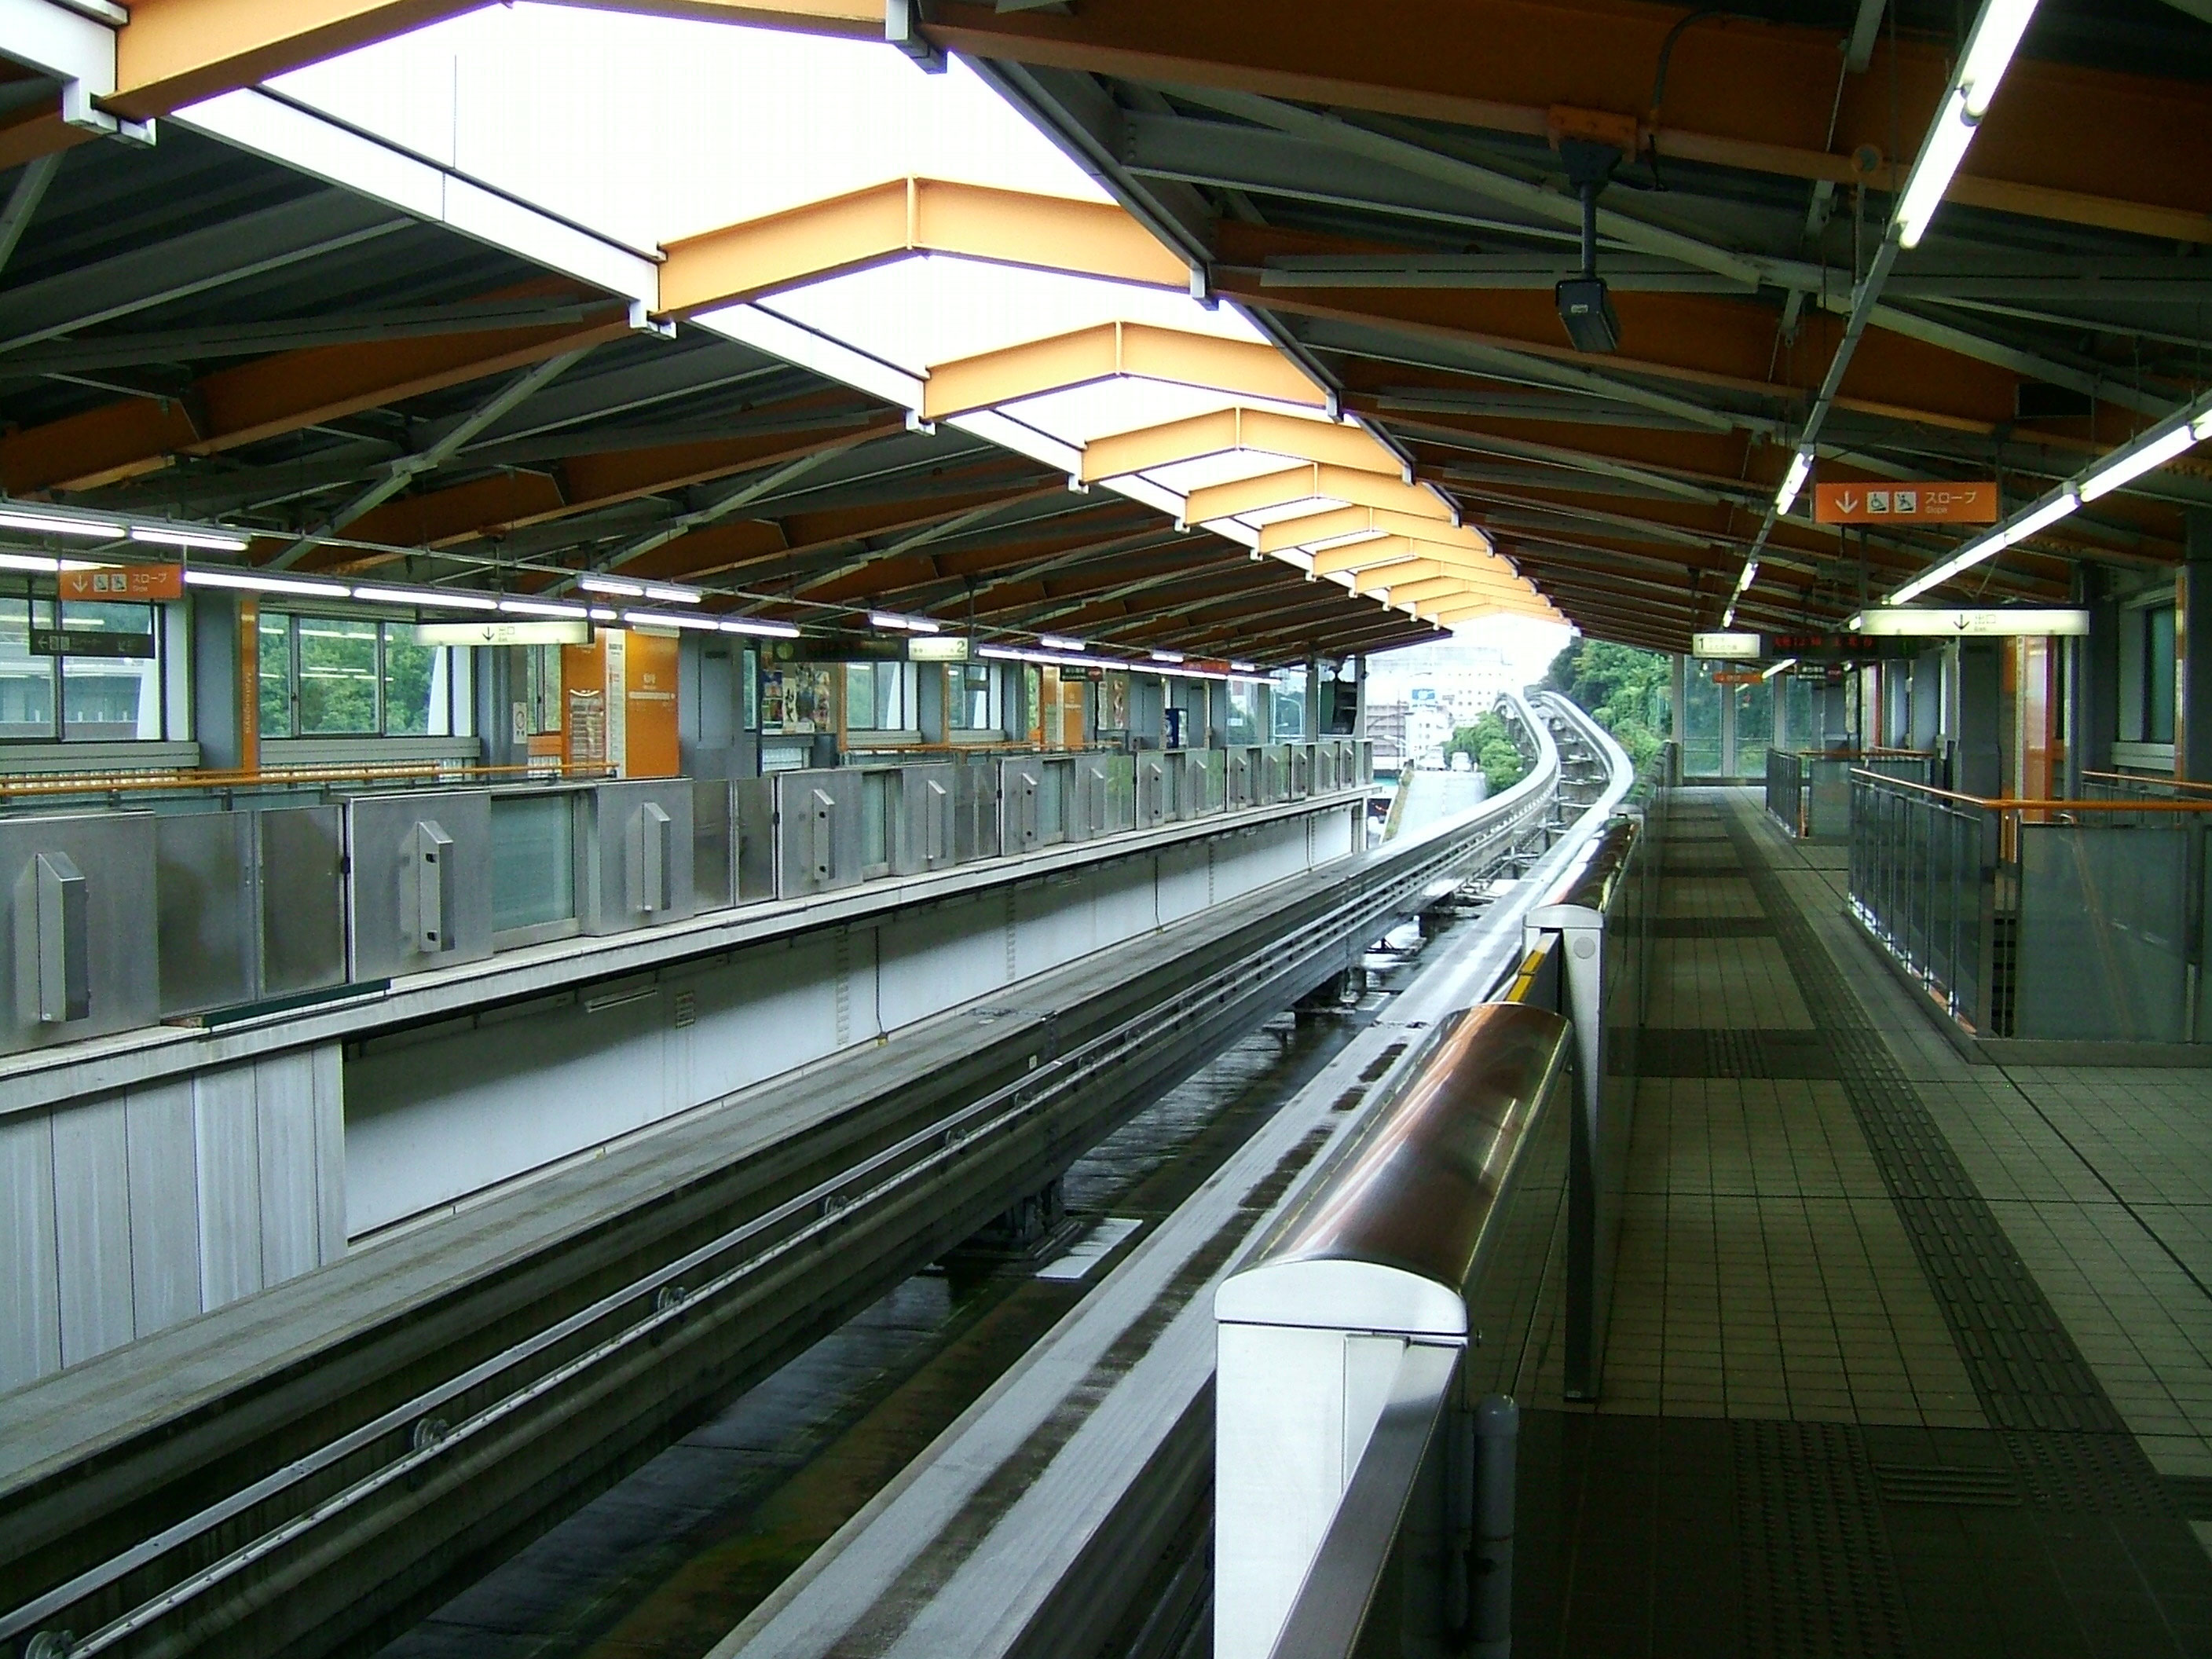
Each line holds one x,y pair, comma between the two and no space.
1587,310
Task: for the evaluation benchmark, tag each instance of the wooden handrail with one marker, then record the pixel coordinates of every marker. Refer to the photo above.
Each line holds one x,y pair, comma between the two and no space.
87,783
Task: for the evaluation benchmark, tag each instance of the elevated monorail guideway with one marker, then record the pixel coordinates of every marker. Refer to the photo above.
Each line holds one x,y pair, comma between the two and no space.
307,1470
1063,1502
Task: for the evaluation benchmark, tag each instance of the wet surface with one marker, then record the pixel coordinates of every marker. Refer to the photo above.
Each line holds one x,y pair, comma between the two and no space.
667,1561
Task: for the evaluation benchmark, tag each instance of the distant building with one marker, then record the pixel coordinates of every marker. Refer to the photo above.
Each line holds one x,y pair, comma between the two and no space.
1386,726
1463,680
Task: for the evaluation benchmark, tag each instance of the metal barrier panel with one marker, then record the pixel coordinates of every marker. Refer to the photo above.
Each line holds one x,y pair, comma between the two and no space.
927,838
2104,934
79,890
1302,759
975,812
817,831
640,855
753,800
207,921
713,845
419,881
300,864
1206,771
1056,796
1243,779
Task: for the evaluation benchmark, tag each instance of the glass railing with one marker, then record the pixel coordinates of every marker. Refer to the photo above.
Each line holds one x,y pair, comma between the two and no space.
2045,921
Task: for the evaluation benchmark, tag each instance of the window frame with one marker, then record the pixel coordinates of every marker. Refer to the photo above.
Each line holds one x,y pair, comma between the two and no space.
30,592
460,681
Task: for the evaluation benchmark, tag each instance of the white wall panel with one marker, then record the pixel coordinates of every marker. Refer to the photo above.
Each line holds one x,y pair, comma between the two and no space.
30,1299
934,959
91,1228
165,1210
1186,881
284,1108
226,1131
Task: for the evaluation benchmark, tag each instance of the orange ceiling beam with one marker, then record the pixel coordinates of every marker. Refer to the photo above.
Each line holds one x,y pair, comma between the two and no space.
1380,550
269,397
1237,368
1263,431
1313,483
910,215
173,52
1740,91
1332,524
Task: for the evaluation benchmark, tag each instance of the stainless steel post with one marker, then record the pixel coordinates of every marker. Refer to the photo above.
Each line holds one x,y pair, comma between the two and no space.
1497,1441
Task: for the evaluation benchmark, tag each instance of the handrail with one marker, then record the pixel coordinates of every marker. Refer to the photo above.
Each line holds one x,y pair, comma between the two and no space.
21,784
2005,804
2154,783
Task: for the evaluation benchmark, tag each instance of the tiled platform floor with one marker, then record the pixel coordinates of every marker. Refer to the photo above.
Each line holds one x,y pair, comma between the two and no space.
1839,1417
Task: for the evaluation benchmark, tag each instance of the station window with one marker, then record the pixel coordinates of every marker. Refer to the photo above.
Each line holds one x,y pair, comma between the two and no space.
1289,704
879,696
75,671
2147,674
972,698
344,676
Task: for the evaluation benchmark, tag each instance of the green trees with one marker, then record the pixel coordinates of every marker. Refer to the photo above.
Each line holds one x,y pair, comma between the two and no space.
1627,690
1490,742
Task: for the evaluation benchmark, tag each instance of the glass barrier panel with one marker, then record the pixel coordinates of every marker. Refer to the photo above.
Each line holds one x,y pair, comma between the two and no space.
2104,935
533,860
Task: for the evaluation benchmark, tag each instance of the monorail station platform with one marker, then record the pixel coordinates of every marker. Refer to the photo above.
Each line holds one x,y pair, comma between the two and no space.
934,828
1909,1355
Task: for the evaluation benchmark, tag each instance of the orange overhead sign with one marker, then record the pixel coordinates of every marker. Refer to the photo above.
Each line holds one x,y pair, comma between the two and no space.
1932,502
129,583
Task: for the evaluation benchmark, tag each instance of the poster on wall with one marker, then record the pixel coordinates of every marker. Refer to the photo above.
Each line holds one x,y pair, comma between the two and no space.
1114,703
795,701
588,730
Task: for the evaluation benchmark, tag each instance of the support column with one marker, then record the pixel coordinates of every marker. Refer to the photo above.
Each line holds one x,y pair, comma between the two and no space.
2192,651
1978,768
223,680
2094,706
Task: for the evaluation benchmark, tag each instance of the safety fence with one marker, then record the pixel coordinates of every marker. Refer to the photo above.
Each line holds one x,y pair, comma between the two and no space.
2049,920
123,918
1808,791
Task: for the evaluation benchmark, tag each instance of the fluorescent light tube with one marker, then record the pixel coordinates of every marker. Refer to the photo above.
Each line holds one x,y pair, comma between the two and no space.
601,614
211,541
668,619
247,584
542,608
1167,656
37,562
668,595
2130,463
1059,642
773,630
617,585
52,524
1786,664
906,624
1244,667
375,595
1793,482
1990,50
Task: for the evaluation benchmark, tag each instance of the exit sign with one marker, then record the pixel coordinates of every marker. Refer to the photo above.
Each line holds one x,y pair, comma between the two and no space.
1932,502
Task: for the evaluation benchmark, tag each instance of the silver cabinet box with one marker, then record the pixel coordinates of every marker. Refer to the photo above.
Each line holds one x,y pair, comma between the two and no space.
81,958
753,801
418,895
817,831
927,838
1088,814
1021,782
637,865
1154,802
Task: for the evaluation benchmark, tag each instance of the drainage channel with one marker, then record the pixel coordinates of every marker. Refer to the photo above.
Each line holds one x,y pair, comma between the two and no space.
667,1561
